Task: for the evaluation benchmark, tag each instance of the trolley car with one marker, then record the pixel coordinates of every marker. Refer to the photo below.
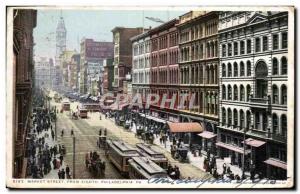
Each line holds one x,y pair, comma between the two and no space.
159,158
82,112
143,168
65,106
94,107
119,153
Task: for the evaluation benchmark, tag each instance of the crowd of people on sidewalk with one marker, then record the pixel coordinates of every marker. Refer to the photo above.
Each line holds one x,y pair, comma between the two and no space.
41,150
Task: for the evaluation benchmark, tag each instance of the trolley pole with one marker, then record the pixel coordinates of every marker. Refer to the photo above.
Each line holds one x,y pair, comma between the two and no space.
73,157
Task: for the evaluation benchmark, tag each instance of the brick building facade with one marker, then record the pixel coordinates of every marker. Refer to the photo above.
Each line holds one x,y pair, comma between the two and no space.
23,24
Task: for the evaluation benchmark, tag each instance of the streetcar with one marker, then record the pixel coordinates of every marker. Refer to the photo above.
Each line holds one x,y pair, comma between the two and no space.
159,158
144,168
65,106
82,112
119,153
92,107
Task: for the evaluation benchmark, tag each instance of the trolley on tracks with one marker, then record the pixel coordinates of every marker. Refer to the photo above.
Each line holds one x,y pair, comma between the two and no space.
146,150
144,168
119,153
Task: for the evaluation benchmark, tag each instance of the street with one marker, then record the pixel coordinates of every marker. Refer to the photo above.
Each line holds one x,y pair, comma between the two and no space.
86,134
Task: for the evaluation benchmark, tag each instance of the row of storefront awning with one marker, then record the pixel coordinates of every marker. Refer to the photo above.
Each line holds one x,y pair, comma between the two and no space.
153,118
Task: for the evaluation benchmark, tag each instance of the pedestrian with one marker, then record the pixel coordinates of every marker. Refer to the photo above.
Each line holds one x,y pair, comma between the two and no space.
105,132
68,172
54,163
72,132
100,132
52,134
224,168
63,174
59,174
61,158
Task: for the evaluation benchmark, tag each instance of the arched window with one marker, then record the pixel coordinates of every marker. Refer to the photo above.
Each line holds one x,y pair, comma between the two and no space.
248,93
229,115
242,93
223,116
223,92
248,68
275,124
235,118
275,66
248,117
283,94
284,125
223,70
235,69
283,66
242,69
235,92
229,90
242,119
275,94
229,70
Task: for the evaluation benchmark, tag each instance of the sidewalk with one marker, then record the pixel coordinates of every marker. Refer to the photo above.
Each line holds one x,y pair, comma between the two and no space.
53,174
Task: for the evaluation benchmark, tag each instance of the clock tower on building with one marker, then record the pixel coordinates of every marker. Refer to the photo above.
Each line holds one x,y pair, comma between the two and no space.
61,34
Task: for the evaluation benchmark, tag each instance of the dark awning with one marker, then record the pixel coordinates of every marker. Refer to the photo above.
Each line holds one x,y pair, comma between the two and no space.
276,163
185,127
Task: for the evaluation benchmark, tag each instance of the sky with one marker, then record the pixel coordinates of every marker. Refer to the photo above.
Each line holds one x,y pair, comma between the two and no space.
96,24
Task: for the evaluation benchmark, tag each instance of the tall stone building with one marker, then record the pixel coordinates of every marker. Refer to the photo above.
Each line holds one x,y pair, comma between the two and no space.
42,75
164,70
141,64
122,54
92,55
253,90
61,38
199,63
23,23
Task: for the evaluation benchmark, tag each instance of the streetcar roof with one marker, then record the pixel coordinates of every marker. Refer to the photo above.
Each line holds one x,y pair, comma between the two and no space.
144,164
123,148
149,150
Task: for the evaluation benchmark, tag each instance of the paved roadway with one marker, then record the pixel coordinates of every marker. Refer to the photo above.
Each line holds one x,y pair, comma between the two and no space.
85,141
86,133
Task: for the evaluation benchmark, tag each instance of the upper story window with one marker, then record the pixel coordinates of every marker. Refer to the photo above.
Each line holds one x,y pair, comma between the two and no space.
248,46
275,66
229,49
235,47
257,45
242,47
275,42
265,43
283,66
284,40
223,50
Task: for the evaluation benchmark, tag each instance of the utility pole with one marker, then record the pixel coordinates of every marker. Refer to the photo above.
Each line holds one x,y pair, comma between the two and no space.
244,157
73,157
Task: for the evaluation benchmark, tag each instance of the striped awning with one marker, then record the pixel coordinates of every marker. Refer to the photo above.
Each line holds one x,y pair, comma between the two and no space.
184,127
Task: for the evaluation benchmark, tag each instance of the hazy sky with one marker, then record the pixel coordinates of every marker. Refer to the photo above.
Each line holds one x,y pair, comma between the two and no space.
96,24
